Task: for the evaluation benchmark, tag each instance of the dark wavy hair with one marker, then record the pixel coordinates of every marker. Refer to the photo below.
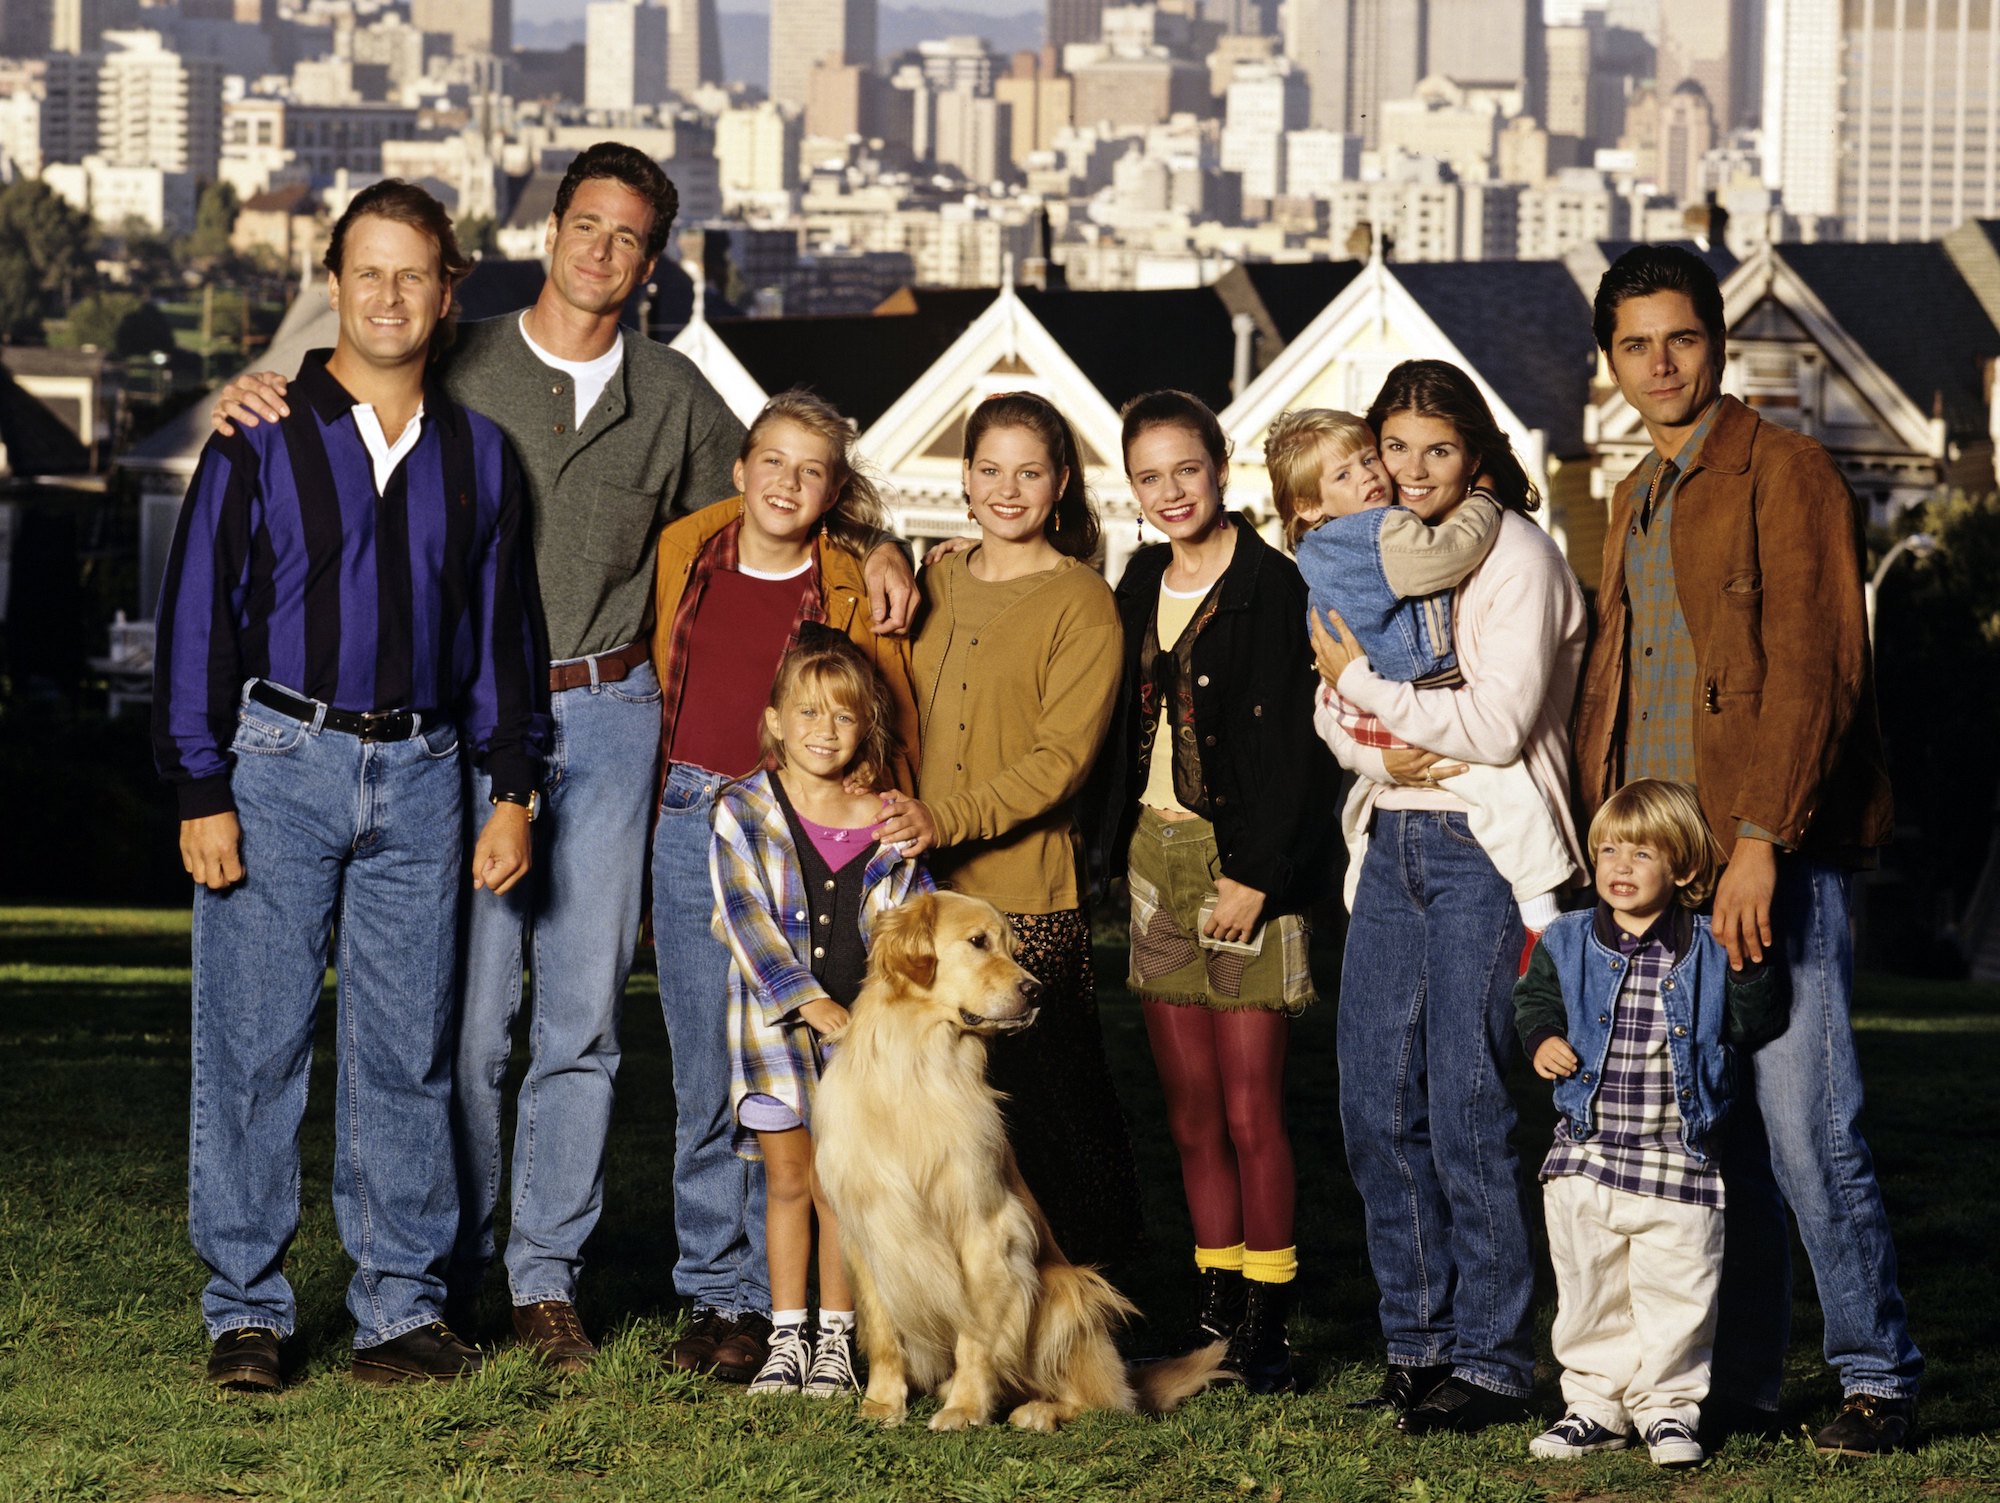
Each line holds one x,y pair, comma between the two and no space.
406,203
637,171
1171,408
1072,525
1646,269
1439,389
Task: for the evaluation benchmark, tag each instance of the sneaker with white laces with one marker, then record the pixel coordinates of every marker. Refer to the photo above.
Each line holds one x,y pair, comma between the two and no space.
1575,1435
1672,1443
832,1366
784,1371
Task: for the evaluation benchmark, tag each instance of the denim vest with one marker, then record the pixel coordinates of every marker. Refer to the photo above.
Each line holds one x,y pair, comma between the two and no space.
1406,640
1693,999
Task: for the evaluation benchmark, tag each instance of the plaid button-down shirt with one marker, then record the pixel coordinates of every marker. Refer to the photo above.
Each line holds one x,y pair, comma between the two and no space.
1637,1145
1663,679
765,916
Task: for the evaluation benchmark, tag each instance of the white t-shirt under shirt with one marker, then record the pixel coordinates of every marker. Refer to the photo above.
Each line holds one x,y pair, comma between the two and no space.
589,377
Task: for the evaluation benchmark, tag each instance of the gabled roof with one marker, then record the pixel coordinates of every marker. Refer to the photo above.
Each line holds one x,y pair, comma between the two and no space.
1125,342
860,362
535,202
293,198
1591,260
1292,293
37,441
1913,314
1525,327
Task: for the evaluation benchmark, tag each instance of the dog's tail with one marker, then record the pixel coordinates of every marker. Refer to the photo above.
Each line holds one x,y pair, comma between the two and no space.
1160,1386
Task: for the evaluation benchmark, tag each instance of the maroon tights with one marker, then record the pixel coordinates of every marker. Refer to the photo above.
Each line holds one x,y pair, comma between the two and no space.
1224,1075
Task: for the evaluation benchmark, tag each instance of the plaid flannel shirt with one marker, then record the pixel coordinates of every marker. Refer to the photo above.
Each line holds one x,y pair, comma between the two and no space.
764,915
718,554
1637,1144
1663,679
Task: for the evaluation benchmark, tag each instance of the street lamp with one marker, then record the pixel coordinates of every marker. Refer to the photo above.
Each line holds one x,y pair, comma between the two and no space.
1917,544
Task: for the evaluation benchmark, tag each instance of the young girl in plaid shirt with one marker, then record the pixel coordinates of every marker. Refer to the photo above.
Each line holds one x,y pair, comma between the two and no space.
1632,1010
799,877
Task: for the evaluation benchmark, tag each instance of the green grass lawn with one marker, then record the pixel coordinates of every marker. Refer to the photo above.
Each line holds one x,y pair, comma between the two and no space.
101,1347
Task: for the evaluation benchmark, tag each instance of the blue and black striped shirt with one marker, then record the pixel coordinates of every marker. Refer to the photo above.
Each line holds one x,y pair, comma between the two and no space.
288,566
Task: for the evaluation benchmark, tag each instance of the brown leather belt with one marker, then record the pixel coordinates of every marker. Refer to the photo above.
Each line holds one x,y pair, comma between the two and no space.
611,667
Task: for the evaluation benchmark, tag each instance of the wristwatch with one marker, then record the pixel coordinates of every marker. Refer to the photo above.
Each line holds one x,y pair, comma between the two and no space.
531,801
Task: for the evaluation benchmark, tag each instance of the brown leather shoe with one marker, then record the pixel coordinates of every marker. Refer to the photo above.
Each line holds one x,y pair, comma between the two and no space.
245,1359
550,1330
428,1354
741,1353
695,1352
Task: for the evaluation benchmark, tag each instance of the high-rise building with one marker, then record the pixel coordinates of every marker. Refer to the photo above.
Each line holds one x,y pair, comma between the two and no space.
806,33
624,55
1802,46
1069,21
1686,132
24,28
1720,45
1488,41
474,25
79,25
694,46
68,124
156,108
1919,118
757,155
1355,55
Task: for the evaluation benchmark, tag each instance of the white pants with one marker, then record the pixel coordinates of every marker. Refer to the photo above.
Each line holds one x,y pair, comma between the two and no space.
1635,1302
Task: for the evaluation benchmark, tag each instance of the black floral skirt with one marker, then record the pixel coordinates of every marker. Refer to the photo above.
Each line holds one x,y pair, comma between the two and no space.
1063,1117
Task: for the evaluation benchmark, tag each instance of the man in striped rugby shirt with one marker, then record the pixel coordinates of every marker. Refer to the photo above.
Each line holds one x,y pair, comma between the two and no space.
350,594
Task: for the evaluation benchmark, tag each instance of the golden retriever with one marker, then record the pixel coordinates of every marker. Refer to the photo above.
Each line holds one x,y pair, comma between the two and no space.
959,1287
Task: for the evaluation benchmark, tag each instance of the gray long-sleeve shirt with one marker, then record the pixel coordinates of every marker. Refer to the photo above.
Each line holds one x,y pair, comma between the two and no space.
657,444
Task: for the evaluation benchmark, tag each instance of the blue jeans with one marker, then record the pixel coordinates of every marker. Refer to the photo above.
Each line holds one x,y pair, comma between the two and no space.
575,920
1425,1034
718,1197
1796,1140
362,839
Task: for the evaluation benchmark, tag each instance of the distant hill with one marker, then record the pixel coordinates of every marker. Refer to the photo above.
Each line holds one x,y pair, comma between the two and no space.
746,34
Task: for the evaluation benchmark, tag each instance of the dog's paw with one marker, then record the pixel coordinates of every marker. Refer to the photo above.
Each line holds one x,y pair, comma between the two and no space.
953,1418
1037,1414
887,1414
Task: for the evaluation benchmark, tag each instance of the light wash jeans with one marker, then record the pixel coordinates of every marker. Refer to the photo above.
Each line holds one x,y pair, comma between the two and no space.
365,836
574,922
1425,1035
1795,1140
718,1197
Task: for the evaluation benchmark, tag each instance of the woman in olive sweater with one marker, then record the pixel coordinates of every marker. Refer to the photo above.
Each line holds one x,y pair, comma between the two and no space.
1017,665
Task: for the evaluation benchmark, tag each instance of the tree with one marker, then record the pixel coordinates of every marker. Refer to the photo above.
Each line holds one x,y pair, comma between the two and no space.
121,322
476,235
45,247
214,218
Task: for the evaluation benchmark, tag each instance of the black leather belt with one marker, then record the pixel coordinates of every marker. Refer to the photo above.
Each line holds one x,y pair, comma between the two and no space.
372,725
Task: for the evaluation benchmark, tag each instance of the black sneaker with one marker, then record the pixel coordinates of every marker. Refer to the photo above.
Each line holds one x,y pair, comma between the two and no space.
1403,1388
429,1354
1672,1444
245,1359
1868,1425
1575,1435
1462,1408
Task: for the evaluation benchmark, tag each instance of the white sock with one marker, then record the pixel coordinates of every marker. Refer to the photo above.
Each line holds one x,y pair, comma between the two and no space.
784,1319
836,1322
1539,912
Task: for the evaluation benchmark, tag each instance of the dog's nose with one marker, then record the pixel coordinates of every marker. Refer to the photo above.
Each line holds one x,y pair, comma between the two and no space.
1031,989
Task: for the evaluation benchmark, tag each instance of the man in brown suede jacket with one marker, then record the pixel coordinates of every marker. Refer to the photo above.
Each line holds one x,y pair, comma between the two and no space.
1732,653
